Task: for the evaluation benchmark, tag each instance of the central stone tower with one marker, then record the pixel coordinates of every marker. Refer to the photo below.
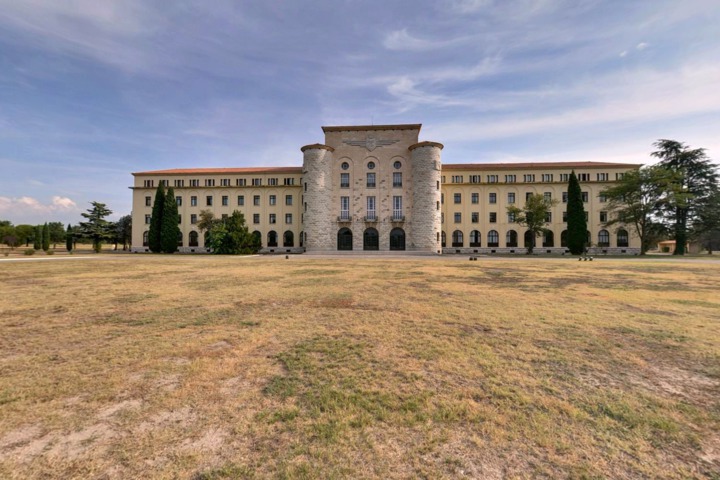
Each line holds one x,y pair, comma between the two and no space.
372,188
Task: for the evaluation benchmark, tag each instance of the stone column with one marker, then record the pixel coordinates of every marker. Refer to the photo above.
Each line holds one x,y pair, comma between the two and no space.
318,219
426,176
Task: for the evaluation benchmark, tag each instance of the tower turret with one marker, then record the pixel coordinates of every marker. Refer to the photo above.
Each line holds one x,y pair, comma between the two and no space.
426,179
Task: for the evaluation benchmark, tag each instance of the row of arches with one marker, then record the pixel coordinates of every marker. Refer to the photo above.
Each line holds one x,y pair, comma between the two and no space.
371,239
288,239
548,240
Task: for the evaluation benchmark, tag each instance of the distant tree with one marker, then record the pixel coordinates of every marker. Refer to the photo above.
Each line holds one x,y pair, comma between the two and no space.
8,234
57,233
123,231
231,236
706,227
637,200
696,177
46,237
96,228
38,239
25,234
69,238
533,216
169,230
576,222
154,233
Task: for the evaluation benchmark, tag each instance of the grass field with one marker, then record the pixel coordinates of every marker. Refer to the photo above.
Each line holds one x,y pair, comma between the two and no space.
206,367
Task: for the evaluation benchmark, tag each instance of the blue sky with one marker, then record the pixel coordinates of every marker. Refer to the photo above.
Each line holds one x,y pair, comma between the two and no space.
93,90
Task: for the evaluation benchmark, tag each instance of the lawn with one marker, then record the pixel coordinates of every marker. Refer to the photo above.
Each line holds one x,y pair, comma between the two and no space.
205,367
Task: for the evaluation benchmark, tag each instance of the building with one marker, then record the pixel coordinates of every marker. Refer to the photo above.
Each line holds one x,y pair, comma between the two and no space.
378,188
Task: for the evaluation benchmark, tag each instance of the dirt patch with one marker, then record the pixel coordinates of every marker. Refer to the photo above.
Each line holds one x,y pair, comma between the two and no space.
111,410
211,441
95,438
180,418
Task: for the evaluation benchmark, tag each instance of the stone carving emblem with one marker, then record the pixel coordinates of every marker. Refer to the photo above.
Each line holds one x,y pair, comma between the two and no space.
371,143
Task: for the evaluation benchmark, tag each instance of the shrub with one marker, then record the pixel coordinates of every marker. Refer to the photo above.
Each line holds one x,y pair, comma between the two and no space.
30,251
50,252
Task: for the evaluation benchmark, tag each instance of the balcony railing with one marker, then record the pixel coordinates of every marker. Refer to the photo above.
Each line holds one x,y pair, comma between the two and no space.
371,216
397,216
344,216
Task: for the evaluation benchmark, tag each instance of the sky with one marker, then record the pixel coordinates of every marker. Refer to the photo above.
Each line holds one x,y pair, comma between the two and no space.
92,90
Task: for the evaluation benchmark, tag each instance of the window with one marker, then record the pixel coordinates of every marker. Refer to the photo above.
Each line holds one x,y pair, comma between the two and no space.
241,200
178,200
547,177
511,238
585,197
397,179
371,165
147,219
603,216
288,200
603,177
547,196
475,217
193,218
193,239
195,182
564,177
493,217
305,187
475,198
397,208
397,165
511,197
145,239
492,198
256,200
257,182
586,216
193,201
529,177
370,180
443,179
492,179
287,181
148,183
548,217
148,201
288,218
438,205
208,200
511,217
164,183
456,179
240,182
272,182
209,182
442,198
271,218
475,179
493,238
457,238
603,238
584,177
564,197
458,217
438,185
475,238
564,217
457,198
345,165
618,176
179,219
272,200
256,218
528,195
510,178
224,182
371,214
622,238
442,218
344,180
602,198
179,183
225,200
345,208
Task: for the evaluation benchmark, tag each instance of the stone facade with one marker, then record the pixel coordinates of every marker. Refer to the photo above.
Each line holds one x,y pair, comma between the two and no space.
377,188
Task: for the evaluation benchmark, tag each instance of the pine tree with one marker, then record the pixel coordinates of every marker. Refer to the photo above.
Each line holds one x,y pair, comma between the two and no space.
46,237
37,243
96,228
69,239
169,230
576,223
154,239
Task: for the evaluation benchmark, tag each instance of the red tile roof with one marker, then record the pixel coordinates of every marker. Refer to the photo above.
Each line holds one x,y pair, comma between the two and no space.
534,165
206,171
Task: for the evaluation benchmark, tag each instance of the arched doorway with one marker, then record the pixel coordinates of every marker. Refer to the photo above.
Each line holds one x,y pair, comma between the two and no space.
145,239
475,239
511,238
563,238
444,239
344,239
529,239
457,238
397,239
548,238
622,238
180,239
258,238
193,239
371,240
272,238
288,239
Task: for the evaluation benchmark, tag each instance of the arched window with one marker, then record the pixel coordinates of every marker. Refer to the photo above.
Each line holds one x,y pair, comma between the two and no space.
548,238
457,238
397,239
493,238
206,239
272,239
288,239
344,239
145,239
371,239
529,239
475,239
444,239
180,239
193,239
603,238
511,238
258,237
563,238
302,238
622,238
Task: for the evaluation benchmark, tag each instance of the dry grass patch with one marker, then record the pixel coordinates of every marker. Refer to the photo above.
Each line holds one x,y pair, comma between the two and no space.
210,368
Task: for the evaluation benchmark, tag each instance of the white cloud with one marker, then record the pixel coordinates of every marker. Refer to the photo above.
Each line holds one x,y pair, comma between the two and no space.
31,205
402,40
642,46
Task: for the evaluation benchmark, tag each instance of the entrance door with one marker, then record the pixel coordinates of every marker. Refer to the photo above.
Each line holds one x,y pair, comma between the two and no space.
397,239
344,239
371,240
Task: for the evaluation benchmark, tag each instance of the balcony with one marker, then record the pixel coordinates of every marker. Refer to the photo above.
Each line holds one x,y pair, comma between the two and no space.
397,216
371,217
344,217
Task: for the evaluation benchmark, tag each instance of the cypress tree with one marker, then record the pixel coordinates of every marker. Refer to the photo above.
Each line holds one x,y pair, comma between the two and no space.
154,240
69,239
38,241
576,223
169,230
46,238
